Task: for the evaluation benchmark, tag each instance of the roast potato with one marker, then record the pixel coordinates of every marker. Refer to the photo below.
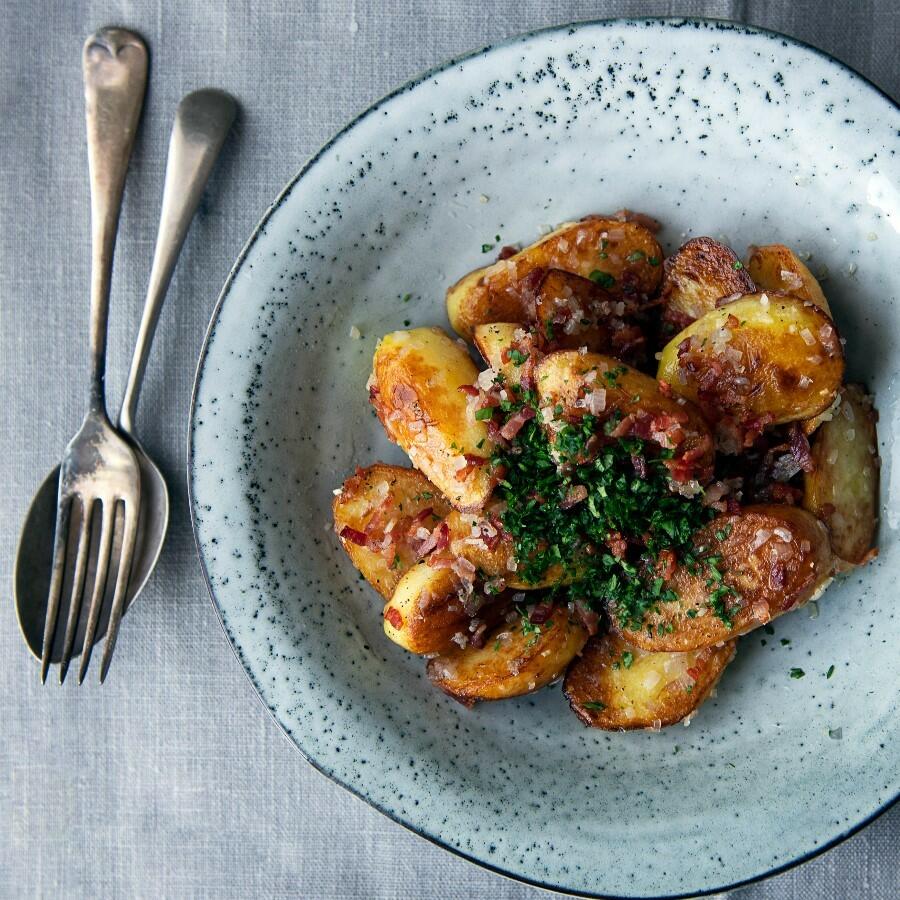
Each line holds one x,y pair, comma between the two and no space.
843,488
494,342
761,360
771,559
774,267
434,609
478,538
571,384
617,687
517,658
700,273
624,258
378,514
414,388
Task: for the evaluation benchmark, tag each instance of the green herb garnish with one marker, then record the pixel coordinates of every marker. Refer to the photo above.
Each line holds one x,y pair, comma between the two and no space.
482,414
797,673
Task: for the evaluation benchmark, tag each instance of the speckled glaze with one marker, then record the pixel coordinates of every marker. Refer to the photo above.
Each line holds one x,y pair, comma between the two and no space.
713,128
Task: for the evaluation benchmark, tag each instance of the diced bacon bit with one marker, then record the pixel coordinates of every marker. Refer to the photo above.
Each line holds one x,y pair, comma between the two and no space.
665,388
355,536
541,612
629,215
392,615
438,540
589,619
469,390
471,462
617,544
800,449
667,562
575,495
516,423
477,637
506,252
786,493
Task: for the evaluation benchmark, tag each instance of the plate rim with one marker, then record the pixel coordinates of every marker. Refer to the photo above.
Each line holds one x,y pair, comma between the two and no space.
410,84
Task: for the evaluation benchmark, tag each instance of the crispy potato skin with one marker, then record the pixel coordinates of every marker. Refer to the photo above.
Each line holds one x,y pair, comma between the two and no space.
371,500
655,690
771,579
494,293
427,610
774,267
414,388
843,489
789,361
512,662
566,377
701,272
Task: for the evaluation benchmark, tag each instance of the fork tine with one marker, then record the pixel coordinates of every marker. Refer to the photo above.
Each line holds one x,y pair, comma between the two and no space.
84,543
99,589
60,539
129,538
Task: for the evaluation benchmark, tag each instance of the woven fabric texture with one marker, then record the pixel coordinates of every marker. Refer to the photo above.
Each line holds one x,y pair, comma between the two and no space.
171,780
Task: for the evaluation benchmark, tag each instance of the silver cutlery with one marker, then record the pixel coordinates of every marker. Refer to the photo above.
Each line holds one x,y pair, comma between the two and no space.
122,480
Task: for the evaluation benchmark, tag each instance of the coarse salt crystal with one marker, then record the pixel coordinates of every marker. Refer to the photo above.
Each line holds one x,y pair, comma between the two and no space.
355,333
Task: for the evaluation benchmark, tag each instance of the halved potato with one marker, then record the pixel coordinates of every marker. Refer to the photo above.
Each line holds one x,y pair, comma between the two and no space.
571,384
774,559
701,272
617,687
774,267
494,342
623,257
478,538
414,388
761,360
377,515
517,658
843,488
434,609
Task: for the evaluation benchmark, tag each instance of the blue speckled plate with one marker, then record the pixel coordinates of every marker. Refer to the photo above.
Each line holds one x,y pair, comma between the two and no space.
713,128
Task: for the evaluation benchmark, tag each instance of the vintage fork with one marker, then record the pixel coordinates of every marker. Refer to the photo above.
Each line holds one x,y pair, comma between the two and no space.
99,469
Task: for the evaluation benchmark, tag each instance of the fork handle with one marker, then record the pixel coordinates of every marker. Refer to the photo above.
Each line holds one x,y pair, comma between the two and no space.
114,63
202,122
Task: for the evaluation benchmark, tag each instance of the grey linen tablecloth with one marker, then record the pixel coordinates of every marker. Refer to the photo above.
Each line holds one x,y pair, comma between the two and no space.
171,780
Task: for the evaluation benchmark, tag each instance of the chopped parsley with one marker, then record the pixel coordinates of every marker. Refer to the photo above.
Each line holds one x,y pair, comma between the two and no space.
653,260
407,298
594,704
517,357
482,414
785,642
608,545
627,659
737,265
797,673
830,672
636,256
604,279
486,248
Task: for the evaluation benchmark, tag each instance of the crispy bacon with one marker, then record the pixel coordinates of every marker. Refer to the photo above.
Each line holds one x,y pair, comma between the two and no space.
516,422
506,252
589,618
360,538
438,540
541,612
468,389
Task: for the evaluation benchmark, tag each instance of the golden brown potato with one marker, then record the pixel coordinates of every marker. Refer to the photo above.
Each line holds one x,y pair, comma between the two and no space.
774,267
617,687
624,258
414,388
701,272
480,539
435,609
517,658
770,558
843,489
600,385
494,342
761,360
379,515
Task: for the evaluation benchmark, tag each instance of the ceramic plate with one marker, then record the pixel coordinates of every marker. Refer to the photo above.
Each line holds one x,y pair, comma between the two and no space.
713,128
